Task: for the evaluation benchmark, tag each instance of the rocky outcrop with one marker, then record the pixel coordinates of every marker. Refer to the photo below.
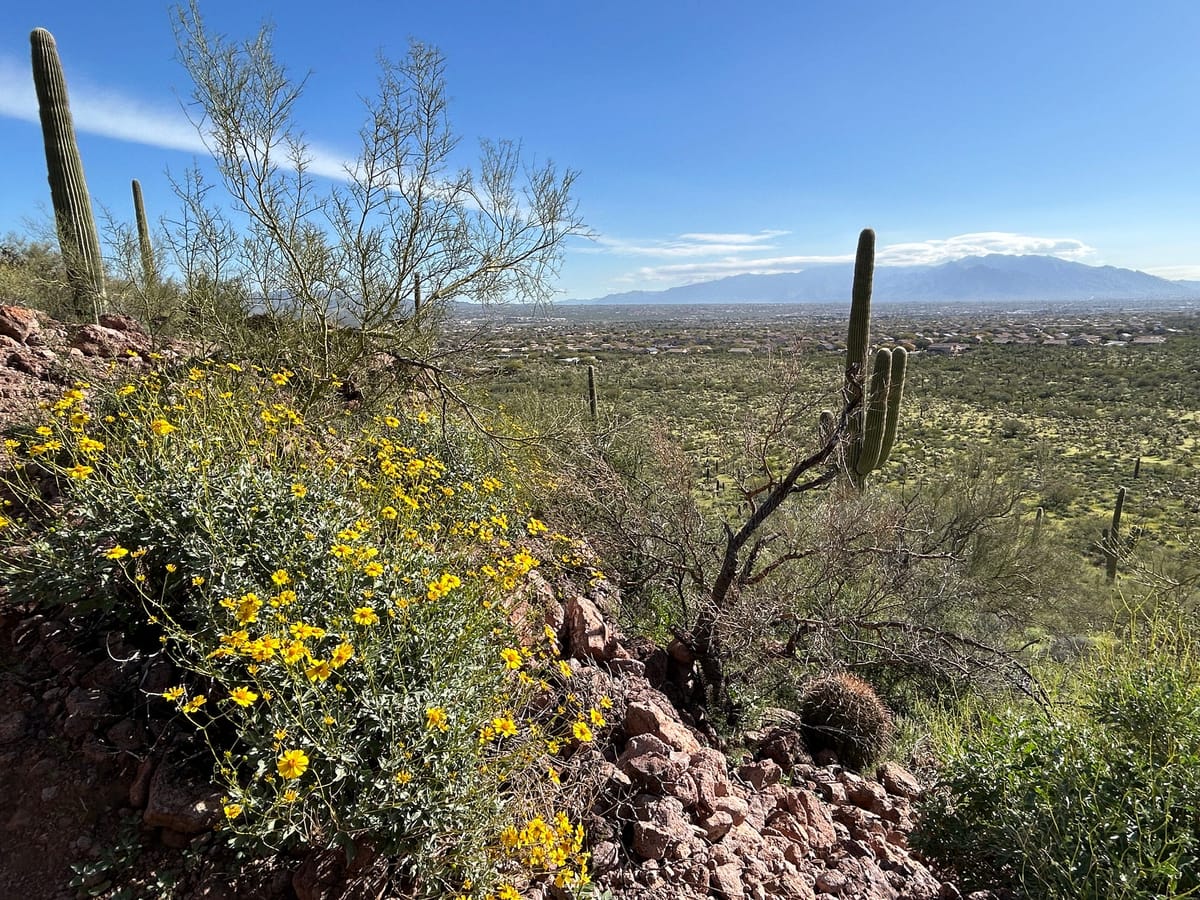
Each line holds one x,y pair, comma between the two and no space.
675,818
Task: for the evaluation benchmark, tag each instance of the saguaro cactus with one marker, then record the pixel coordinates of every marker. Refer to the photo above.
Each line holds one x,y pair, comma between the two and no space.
73,217
874,412
1112,538
593,404
149,266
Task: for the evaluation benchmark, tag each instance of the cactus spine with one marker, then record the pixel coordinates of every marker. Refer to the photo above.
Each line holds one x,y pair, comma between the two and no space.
874,411
73,217
1112,539
149,267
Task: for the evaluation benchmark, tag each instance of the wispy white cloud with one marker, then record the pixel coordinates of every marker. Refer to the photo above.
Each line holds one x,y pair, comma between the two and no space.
111,114
688,273
1176,273
717,255
690,244
981,243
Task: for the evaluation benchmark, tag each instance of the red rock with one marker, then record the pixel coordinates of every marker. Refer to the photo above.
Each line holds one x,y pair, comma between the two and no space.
726,881
736,807
18,323
176,803
717,825
591,636
790,885
899,782
107,343
819,823
119,322
650,716
661,824
760,774
869,795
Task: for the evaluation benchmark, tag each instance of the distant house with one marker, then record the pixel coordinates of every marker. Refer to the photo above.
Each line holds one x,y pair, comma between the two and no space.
947,349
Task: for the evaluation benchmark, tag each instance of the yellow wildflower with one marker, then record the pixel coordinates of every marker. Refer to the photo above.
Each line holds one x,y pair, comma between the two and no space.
581,731
341,655
247,608
116,552
436,719
80,472
365,615
172,694
511,657
195,703
161,427
280,577
303,631
504,726
320,670
243,696
293,764
294,652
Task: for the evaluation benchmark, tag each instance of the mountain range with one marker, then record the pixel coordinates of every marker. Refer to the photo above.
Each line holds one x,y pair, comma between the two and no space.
992,278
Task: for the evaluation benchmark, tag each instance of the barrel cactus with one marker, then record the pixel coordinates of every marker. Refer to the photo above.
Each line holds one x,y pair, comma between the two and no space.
843,713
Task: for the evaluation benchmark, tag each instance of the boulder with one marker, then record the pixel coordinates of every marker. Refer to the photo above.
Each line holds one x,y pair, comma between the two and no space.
654,716
179,804
18,323
661,824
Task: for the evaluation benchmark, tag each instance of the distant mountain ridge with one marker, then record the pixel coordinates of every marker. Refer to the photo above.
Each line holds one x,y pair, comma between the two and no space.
992,278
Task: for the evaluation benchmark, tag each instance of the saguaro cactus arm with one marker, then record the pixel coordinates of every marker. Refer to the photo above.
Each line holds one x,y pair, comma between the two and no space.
875,423
68,190
895,397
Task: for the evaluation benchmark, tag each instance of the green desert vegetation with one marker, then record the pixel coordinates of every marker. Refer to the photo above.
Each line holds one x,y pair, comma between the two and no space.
331,577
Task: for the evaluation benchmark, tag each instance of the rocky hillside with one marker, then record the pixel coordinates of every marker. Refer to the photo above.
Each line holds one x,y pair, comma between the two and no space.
104,792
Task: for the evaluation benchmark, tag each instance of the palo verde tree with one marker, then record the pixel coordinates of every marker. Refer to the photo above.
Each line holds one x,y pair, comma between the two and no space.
351,252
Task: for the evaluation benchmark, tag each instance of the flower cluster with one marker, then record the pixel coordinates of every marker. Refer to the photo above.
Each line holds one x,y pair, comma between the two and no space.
337,585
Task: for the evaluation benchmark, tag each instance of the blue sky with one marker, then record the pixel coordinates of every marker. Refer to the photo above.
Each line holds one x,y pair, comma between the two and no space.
711,138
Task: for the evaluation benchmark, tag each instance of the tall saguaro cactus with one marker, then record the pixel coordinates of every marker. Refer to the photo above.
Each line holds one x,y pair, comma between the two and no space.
73,217
149,266
1112,539
873,406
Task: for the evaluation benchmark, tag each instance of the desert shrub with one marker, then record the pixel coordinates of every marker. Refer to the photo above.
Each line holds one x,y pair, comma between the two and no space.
1100,800
332,589
844,714
32,274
